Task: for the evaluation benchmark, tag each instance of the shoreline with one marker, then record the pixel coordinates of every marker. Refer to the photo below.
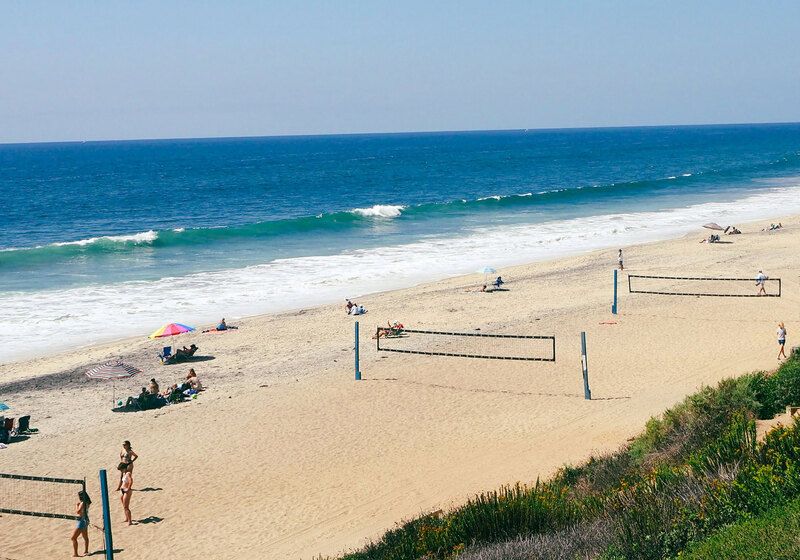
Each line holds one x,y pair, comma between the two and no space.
564,253
317,463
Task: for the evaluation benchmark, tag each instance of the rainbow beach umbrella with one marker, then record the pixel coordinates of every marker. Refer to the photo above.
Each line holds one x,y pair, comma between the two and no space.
171,330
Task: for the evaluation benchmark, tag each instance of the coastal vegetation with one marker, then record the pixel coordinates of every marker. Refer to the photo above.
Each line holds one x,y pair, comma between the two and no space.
693,484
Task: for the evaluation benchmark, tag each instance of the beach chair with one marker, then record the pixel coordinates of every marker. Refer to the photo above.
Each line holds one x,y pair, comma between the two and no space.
166,354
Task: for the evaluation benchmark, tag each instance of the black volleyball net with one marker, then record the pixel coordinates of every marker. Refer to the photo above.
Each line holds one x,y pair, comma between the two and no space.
532,348
39,496
702,286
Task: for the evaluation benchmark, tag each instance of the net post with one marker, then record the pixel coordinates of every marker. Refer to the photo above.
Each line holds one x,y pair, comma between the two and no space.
358,371
587,393
614,305
106,515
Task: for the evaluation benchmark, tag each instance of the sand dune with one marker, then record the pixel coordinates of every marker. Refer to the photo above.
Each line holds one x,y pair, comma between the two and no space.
286,456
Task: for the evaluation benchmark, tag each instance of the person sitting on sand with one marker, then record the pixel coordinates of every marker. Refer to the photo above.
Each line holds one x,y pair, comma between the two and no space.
358,309
223,326
138,401
194,381
349,307
152,388
498,283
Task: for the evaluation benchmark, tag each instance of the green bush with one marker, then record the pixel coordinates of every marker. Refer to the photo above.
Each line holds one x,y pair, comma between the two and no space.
774,535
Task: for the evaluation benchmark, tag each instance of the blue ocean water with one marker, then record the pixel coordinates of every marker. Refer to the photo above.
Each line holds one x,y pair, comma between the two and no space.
189,230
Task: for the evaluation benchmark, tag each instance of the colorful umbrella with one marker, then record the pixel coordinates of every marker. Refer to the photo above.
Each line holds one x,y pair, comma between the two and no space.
171,330
112,370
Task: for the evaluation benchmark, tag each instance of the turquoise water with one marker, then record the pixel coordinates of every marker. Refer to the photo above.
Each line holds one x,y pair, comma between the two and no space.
189,230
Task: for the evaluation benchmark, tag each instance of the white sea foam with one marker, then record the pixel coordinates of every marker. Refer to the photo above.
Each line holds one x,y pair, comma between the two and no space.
379,211
136,238
495,197
686,175
68,318
179,230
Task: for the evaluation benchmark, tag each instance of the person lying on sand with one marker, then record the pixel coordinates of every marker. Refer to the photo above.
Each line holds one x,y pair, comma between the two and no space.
394,329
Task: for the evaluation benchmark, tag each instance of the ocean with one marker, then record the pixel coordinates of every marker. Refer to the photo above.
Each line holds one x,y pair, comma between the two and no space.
101,240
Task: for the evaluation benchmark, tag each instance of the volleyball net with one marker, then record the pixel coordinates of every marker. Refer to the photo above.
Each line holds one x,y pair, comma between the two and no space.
39,496
467,345
702,286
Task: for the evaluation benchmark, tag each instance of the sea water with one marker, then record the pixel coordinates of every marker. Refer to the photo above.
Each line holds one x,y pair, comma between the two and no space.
100,240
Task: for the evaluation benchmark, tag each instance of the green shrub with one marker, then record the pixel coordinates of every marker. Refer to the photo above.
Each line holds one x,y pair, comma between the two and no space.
774,535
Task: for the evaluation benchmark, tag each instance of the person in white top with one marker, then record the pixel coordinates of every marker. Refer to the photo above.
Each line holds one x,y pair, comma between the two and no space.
619,260
781,340
761,279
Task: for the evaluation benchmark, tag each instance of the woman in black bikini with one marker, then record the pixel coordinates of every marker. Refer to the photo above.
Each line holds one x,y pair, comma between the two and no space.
126,456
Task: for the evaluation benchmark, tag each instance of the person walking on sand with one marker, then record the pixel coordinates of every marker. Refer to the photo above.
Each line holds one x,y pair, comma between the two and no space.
781,340
619,260
127,456
126,489
82,527
761,282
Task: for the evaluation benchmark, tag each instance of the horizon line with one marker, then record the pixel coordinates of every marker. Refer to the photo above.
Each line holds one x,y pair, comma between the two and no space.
397,133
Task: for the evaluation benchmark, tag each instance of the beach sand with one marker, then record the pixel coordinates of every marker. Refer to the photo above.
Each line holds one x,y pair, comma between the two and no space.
286,456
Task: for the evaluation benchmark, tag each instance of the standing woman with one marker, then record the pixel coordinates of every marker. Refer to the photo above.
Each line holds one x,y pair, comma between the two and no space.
82,527
781,340
126,489
127,456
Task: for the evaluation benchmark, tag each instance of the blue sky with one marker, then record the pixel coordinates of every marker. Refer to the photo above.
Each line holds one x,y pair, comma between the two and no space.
111,70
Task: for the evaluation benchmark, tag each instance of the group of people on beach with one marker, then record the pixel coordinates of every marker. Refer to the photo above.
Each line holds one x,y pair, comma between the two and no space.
153,397
125,487
354,309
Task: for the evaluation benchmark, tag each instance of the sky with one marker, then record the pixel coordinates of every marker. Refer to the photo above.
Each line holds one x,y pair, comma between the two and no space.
91,70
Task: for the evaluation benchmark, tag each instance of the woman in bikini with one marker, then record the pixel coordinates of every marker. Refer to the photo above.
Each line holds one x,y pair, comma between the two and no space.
127,456
126,489
82,527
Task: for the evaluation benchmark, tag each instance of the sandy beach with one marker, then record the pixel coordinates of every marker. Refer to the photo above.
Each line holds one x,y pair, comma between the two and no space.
286,456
